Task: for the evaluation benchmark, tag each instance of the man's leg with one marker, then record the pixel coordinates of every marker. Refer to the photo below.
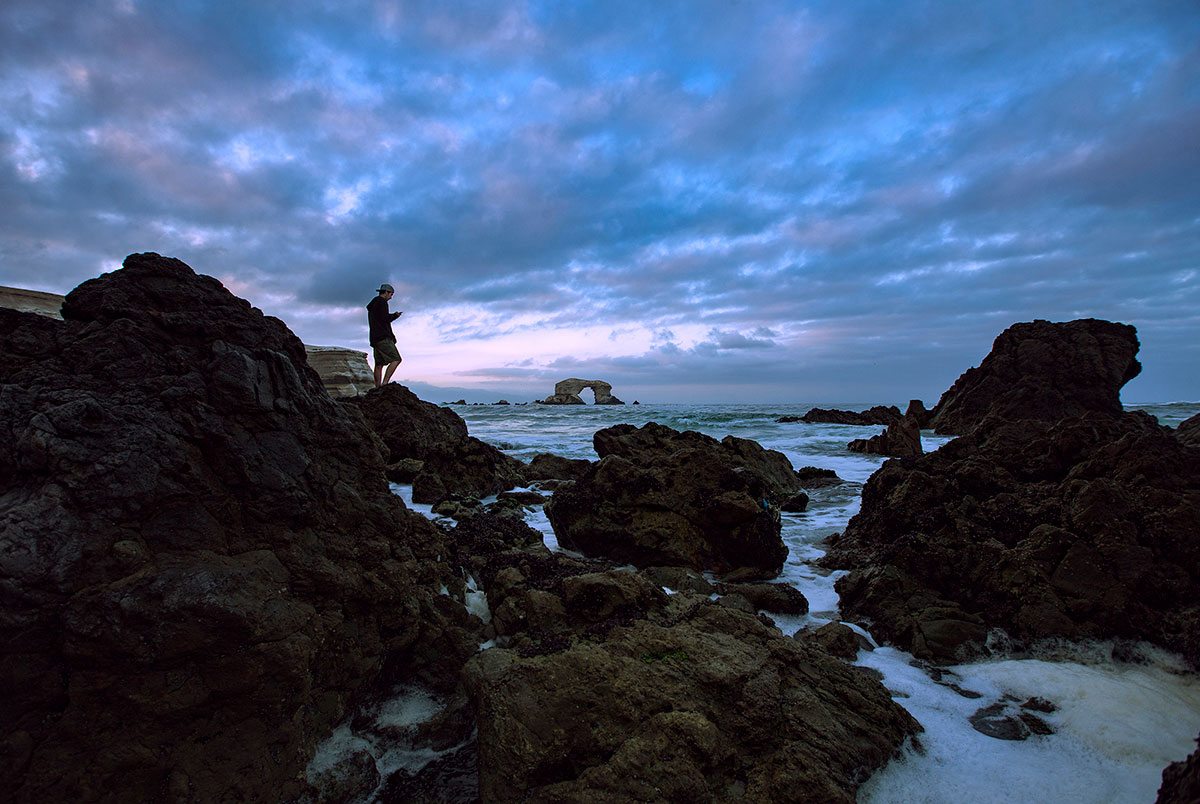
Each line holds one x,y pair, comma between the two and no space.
378,374
391,369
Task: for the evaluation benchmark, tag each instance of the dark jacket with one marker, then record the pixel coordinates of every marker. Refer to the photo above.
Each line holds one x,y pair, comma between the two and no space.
380,320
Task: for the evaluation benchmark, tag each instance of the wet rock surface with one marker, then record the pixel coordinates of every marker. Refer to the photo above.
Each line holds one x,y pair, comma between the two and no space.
453,462
661,497
1181,781
637,696
202,565
1072,525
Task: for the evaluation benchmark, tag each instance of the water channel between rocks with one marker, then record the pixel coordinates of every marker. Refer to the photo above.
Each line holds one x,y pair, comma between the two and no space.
1115,724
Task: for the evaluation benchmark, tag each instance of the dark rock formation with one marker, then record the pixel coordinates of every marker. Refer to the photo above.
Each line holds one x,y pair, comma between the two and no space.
545,466
780,598
658,496
659,699
1041,371
879,414
1078,527
200,563
779,480
813,477
567,392
917,412
900,439
1181,781
454,462
838,639
1188,432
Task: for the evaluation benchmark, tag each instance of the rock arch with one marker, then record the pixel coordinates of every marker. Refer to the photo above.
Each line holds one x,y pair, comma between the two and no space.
566,392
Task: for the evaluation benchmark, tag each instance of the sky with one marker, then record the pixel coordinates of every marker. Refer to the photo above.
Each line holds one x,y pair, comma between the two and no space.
705,201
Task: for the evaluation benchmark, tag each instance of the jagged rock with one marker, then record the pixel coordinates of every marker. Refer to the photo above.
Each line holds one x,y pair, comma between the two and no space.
546,466
900,439
1188,432
1079,527
200,562
343,372
566,392
696,703
1181,781
454,462
1043,371
917,412
878,414
658,496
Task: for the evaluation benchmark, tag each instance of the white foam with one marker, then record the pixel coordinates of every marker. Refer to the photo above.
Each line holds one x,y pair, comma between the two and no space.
410,707
1116,728
476,600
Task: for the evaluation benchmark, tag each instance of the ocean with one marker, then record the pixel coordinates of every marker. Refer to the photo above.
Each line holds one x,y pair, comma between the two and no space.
1117,724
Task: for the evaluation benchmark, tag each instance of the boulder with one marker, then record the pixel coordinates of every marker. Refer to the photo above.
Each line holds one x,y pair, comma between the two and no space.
1043,371
814,477
546,466
694,702
838,639
779,598
767,468
900,439
453,461
878,414
1080,527
201,562
660,497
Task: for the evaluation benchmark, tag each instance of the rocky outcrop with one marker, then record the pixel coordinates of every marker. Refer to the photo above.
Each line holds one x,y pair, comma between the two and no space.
1188,432
567,392
607,689
879,414
453,462
343,372
1082,526
900,439
661,497
1181,781
201,565
1041,371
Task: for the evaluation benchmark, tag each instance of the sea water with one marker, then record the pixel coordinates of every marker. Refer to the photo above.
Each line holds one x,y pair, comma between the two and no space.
1116,726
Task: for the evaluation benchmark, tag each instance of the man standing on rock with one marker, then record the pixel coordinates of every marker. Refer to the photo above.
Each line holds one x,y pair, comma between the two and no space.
383,340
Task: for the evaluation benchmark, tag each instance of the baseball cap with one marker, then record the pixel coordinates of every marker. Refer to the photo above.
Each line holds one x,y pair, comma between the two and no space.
386,287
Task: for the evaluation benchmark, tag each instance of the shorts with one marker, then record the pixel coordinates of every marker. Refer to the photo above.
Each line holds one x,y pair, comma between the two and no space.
386,352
